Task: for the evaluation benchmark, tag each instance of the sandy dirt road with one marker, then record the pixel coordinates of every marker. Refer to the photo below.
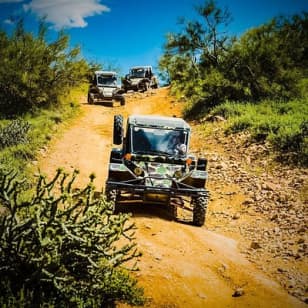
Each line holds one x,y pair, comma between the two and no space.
182,265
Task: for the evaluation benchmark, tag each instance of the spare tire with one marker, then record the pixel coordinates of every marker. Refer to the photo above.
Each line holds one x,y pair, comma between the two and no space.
117,129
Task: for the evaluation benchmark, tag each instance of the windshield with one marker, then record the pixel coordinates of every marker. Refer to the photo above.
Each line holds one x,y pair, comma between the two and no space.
110,81
159,141
137,72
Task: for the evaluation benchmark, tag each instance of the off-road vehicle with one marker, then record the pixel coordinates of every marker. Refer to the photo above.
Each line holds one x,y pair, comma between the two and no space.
140,78
105,88
153,166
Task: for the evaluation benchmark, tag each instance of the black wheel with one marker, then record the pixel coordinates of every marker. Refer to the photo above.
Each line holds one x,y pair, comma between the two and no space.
173,206
122,101
199,210
202,164
117,129
146,86
155,86
111,196
90,99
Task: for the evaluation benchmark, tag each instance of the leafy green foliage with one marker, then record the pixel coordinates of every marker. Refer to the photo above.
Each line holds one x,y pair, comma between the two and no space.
44,122
208,67
34,73
261,61
193,57
60,246
14,133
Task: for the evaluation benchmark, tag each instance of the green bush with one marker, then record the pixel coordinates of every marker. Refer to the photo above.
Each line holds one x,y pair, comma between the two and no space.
228,109
61,247
48,70
292,141
43,123
208,67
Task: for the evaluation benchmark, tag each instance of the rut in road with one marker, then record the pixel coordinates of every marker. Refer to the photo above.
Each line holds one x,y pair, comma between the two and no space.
182,265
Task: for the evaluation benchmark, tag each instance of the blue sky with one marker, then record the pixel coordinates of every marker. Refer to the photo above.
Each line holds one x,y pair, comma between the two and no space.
124,33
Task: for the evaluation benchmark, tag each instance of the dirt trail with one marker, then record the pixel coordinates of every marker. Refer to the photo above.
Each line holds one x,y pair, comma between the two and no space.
182,265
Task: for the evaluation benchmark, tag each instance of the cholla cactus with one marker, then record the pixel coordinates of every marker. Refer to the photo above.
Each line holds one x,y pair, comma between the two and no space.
14,133
62,246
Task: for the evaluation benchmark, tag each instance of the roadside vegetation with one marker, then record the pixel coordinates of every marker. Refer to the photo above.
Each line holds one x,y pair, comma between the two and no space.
60,245
257,81
39,85
22,137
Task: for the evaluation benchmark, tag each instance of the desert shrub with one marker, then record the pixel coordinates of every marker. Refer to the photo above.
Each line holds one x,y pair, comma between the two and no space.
44,122
227,110
61,247
14,133
292,142
48,70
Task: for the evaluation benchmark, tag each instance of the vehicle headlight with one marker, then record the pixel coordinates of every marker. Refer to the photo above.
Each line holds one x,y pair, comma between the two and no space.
138,171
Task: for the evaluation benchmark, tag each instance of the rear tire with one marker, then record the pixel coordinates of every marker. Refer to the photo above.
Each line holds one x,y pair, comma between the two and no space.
173,208
199,210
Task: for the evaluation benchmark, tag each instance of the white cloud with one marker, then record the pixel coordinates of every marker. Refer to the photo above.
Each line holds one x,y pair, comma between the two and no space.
66,13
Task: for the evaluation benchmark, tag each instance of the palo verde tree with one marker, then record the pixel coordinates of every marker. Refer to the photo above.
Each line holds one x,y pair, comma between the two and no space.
34,72
209,67
194,59
61,247
268,61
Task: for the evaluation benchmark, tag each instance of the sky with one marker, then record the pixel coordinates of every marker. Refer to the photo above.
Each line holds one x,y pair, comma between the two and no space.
124,33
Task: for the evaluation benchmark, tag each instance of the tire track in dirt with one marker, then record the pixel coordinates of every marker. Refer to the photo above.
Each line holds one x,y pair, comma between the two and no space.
182,265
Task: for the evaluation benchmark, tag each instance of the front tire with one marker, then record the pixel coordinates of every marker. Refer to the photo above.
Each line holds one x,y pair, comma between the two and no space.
146,87
202,164
199,210
90,99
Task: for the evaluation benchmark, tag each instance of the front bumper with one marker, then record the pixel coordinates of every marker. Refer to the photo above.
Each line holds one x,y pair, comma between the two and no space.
96,97
136,188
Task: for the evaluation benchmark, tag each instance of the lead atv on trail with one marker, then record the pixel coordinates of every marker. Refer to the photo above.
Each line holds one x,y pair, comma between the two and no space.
154,167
